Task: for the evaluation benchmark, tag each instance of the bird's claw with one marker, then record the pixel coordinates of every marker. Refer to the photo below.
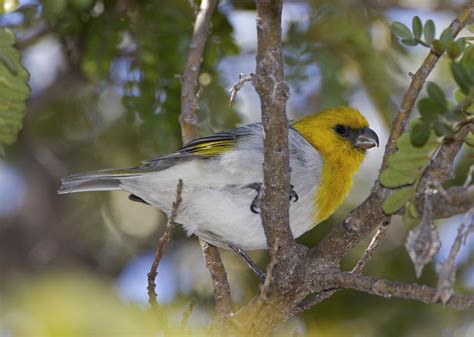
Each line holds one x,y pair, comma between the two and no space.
255,205
293,195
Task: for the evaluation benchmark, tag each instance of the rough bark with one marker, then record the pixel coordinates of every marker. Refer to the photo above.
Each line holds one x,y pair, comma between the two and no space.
188,121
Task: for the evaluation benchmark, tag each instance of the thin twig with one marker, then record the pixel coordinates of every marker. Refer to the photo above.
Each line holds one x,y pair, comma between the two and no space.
369,251
188,121
218,278
187,313
236,87
469,176
447,269
270,267
164,239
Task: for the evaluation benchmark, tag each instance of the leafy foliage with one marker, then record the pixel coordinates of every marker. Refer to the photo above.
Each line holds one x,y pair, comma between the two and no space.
439,116
14,89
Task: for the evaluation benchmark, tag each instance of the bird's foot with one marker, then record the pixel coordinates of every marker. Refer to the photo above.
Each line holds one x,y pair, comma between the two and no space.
293,195
255,205
249,261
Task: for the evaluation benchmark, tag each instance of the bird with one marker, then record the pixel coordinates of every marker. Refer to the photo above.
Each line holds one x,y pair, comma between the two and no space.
222,177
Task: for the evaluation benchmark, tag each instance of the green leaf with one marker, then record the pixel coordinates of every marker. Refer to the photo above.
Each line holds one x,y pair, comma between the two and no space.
446,38
429,31
409,42
443,129
456,48
412,210
469,140
417,27
404,161
398,199
391,178
402,31
428,109
420,134
14,89
461,76
438,46
437,95
459,97
468,56
404,144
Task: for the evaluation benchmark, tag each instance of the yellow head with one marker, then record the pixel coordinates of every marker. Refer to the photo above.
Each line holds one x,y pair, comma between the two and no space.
341,135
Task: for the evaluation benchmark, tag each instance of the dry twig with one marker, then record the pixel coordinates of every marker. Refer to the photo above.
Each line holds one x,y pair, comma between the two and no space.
236,87
188,121
447,269
387,288
164,239
369,251
187,313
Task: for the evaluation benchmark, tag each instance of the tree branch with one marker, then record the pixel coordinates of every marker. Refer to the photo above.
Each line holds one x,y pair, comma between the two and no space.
188,121
388,289
202,25
164,239
273,92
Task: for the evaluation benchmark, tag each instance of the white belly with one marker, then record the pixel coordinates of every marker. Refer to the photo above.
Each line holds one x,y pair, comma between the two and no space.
222,216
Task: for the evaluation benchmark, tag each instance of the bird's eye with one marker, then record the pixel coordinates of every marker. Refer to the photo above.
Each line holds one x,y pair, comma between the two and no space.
340,129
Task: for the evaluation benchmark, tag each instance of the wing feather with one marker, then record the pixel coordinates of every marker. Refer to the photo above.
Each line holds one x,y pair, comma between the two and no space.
204,147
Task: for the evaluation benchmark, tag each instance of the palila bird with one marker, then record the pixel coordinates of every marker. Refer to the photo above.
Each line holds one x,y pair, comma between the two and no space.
222,176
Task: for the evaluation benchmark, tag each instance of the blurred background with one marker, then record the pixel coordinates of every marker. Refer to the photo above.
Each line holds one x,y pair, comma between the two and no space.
105,79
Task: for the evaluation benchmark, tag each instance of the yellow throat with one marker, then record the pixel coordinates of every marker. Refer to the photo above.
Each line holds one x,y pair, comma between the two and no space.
341,159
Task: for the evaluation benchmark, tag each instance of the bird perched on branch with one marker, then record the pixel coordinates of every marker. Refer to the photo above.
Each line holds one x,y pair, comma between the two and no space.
223,174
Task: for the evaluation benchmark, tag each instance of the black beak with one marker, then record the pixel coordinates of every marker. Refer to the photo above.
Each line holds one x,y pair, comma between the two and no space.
367,139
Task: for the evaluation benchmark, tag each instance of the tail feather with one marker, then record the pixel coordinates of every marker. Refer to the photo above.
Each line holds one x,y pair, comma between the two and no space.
105,180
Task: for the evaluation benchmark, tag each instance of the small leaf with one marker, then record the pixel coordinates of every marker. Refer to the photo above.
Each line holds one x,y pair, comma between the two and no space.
446,38
456,48
14,89
461,76
437,95
429,31
402,31
417,27
398,199
429,111
413,211
420,135
404,143
391,178
468,56
438,46
409,42
455,116
459,96
408,161
469,140
443,129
